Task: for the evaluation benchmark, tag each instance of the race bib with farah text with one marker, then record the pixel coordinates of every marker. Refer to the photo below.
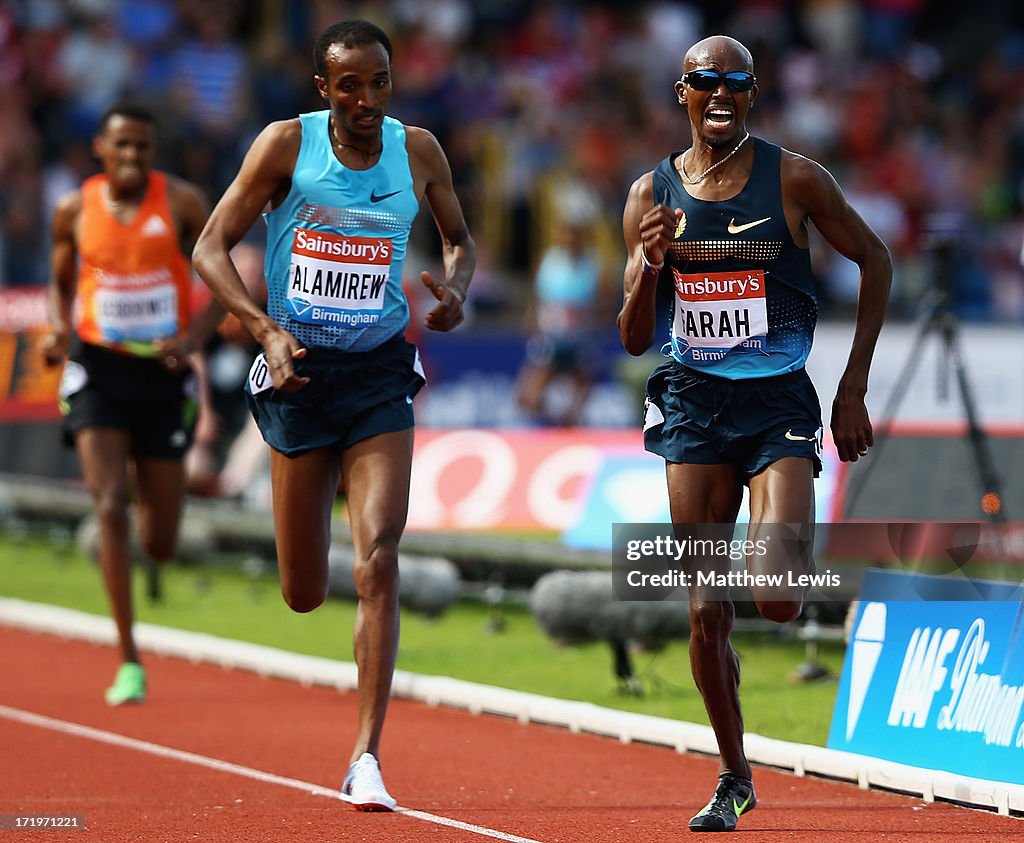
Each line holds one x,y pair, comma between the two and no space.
719,311
337,280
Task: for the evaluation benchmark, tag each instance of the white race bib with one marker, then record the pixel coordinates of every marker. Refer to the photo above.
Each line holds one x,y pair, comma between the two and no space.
336,280
140,315
719,310
259,375
652,414
73,379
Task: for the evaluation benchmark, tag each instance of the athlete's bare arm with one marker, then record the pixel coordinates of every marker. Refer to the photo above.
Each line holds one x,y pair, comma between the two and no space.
264,178
432,178
810,193
648,229
61,292
190,211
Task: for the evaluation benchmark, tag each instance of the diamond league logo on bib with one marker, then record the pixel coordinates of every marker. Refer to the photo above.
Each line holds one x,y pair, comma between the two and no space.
337,280
299,307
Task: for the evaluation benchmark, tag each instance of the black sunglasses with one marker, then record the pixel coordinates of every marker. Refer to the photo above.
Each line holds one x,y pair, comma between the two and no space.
708,80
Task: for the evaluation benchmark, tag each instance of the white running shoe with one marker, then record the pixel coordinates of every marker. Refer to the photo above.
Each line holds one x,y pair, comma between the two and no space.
364,788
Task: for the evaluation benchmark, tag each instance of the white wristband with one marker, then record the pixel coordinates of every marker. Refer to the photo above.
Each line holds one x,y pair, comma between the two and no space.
654,267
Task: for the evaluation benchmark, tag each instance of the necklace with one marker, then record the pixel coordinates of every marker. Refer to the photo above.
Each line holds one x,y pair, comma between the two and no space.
367,153
701,177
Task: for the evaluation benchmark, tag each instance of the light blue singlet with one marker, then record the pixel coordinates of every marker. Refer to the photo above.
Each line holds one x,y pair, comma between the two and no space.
336,245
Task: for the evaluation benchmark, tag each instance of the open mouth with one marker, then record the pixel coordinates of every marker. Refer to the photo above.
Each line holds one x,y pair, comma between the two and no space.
719,118
130,172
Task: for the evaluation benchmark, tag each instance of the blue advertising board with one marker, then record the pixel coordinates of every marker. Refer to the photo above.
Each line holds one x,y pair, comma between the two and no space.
631,488
626,488
934,676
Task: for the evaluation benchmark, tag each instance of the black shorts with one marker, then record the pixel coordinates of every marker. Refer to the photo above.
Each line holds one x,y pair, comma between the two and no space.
158,410
350,396
692,417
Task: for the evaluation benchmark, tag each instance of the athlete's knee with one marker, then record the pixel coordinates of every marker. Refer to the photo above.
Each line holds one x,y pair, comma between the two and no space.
303,597
711,620
376,570
780,611
158,531
111,505
159,548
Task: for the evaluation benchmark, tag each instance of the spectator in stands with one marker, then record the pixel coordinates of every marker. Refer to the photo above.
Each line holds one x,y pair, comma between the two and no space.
562,348
209,85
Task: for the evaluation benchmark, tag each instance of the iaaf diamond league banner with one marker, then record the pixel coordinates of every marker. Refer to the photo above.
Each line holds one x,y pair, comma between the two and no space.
934,676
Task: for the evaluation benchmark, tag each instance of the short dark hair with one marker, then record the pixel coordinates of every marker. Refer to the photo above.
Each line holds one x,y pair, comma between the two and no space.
348,33
126,108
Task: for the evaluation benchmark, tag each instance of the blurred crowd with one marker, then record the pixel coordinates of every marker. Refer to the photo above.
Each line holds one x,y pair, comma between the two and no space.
548,111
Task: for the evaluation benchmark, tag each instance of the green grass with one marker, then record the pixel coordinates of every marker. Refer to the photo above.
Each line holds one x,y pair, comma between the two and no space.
462,643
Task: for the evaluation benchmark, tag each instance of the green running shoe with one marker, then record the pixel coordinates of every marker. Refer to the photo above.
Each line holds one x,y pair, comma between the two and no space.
129,685
733,796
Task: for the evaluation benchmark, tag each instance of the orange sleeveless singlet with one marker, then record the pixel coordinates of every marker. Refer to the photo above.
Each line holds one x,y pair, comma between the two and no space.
133,280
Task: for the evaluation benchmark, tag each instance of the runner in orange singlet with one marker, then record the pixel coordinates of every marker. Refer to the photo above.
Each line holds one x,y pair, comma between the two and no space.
120,318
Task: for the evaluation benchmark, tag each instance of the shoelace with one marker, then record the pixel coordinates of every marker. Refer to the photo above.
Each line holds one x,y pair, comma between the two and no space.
369,774
721,803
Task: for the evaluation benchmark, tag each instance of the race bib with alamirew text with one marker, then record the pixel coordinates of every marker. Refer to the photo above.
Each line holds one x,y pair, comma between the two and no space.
337,280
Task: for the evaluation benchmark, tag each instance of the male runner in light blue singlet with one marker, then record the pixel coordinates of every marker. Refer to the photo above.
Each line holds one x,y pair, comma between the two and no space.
332,391
725,223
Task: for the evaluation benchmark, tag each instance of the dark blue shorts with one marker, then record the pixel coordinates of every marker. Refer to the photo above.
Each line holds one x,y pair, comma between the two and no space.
691,417
350,396
157,409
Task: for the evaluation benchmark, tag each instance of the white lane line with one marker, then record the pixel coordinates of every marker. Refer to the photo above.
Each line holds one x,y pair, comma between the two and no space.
78,730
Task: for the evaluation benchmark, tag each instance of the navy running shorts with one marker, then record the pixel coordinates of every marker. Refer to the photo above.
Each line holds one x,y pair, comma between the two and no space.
102,388
696,418
350,396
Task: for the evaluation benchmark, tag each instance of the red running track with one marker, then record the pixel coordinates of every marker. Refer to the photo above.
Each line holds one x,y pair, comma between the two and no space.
521,781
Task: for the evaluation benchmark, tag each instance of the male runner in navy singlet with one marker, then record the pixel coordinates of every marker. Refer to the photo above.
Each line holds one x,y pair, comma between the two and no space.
726,223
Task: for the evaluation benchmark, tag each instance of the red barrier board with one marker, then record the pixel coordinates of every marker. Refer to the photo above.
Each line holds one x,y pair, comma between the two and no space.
507,479
28,388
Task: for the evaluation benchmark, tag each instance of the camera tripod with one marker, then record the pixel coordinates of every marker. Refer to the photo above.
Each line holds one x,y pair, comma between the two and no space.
940,321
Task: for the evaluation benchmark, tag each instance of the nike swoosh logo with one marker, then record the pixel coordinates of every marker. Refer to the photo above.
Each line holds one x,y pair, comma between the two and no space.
375,198
732,228
739,809
793,437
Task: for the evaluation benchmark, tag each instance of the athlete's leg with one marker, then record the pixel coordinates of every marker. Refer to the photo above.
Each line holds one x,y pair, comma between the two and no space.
104,453
582,384
161,491
376,476
711,494
303,489
782,514
533,385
